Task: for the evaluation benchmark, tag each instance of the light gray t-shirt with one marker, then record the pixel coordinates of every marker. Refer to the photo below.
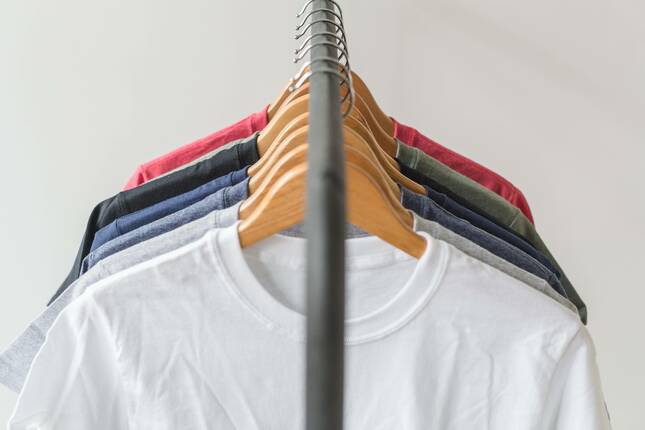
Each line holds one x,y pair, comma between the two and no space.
16,360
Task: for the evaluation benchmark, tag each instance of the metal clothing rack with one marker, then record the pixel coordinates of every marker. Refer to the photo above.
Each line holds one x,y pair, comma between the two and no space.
325,209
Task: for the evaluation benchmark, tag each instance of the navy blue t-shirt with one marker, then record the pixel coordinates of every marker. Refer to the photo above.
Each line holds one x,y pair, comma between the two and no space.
134,220
428,209
489,226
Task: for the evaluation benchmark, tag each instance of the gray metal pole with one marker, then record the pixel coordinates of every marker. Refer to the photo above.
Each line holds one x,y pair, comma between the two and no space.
325,231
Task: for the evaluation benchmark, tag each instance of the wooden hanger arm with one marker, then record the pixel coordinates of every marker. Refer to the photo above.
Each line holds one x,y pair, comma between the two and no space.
259,184
383,119
283,205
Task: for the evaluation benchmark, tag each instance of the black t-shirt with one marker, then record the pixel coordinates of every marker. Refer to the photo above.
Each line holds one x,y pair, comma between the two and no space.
243,154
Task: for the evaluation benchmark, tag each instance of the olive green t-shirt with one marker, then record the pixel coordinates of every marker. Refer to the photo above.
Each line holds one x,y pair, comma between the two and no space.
485,202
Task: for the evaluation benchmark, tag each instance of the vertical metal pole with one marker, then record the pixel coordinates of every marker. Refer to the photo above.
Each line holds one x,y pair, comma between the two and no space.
325,231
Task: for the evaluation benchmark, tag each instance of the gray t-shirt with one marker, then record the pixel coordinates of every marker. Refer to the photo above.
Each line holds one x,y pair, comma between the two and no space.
16,360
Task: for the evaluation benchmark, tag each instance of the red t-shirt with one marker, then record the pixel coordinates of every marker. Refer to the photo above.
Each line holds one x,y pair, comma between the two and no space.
192,151
408,135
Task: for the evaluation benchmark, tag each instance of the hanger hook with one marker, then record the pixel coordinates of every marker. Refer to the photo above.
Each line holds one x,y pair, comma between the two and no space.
345,79
345,67
339,28
302,54
340,11
323,33
304,21
298,80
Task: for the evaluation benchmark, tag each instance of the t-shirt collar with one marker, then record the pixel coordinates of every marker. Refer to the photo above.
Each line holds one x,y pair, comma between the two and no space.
413,296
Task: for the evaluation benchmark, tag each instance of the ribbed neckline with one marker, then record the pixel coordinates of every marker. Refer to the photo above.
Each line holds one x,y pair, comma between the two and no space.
413,295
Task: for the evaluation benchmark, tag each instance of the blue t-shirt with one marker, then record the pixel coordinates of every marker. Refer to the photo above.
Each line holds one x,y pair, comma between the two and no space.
428,209
134,220
221,199
491,227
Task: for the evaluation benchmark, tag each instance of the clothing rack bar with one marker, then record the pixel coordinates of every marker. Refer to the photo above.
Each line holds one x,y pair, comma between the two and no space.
325,232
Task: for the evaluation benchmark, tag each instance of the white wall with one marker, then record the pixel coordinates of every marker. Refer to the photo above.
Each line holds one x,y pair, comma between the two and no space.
550,94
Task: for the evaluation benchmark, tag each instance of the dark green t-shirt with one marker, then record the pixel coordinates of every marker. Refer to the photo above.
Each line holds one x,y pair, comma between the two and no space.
482,200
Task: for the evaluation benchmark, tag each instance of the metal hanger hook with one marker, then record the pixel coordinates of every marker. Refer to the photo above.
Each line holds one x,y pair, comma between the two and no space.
345,67
339,28
302,54
323,33
304,21
344,81
304,8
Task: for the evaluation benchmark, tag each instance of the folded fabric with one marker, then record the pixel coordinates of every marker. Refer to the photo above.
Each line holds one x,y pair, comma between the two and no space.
256,122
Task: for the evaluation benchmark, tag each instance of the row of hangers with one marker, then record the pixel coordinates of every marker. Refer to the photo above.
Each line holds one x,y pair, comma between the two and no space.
277,181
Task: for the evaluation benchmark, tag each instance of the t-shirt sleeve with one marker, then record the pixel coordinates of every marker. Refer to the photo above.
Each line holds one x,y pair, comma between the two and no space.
74,382
575,400
135,180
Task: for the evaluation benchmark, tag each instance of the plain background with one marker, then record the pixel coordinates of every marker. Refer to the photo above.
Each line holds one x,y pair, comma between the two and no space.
550,94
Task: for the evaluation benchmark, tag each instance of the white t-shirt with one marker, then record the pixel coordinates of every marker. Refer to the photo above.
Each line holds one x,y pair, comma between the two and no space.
211,336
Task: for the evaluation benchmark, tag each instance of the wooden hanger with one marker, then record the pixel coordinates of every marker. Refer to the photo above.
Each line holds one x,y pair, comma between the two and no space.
382,118
298,156
303,119
291,110
351,137
385,140
283,206
299,138
262,167
279,101
384,121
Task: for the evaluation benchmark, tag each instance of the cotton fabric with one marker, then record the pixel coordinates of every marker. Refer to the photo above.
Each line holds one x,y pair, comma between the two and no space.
489,226
200,149
463,165
419,204
154,192
17,358
422,169
134,220
211,336
222,199
186,153
428,209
